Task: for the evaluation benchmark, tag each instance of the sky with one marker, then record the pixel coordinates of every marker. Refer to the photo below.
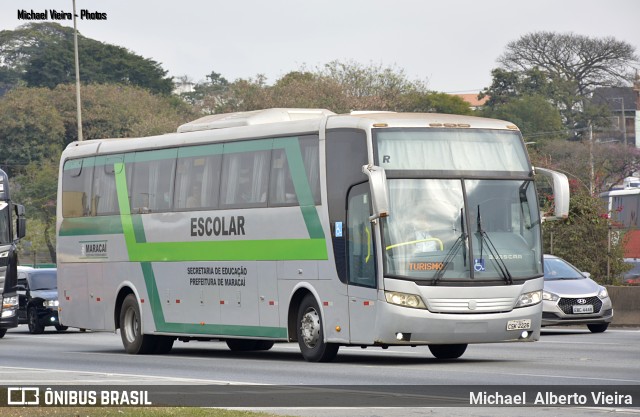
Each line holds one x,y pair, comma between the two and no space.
451,45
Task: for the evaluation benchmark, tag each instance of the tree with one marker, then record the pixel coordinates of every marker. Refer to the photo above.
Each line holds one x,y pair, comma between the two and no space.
582,239
574,65
38,186
432,102
587,62
338,86
611,162
41,54
38,122
537,119
31,127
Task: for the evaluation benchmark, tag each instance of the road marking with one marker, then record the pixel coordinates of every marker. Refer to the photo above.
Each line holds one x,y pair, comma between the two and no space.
137,376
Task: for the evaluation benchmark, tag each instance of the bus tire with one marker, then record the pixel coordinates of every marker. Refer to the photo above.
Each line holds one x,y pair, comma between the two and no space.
133,340
447,351
163,344
311,334
245,345
2,333
61,328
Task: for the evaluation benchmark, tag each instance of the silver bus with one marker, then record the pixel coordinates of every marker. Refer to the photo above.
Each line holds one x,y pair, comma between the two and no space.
279,225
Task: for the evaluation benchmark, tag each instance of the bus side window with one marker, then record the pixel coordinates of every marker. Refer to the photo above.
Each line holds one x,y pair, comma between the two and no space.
152,183
361,253
281,189
245,179
76,187
105,195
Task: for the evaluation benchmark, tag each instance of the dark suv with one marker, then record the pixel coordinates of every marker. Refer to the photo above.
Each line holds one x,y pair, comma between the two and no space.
38,299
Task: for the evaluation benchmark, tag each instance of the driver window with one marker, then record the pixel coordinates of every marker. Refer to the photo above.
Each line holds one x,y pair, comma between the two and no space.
360,238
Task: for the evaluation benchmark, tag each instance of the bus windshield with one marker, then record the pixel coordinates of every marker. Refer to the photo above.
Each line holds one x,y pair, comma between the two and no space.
431,234
451,150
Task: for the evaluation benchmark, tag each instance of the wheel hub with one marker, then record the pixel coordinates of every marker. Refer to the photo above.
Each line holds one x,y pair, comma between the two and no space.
310,328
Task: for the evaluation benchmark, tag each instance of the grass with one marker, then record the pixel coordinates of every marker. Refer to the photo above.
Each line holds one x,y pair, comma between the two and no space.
126,411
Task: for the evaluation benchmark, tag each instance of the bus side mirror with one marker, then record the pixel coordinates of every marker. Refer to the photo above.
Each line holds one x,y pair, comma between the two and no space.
21,221
379,194
560,186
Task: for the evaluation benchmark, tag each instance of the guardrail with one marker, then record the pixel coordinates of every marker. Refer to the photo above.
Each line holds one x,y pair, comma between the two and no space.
626,305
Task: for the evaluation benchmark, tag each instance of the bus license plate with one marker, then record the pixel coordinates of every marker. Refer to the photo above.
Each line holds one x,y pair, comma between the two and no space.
583,309
519,324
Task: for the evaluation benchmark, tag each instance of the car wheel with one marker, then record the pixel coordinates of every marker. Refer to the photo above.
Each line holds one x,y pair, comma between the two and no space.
2,333
34,324
598,328
61,328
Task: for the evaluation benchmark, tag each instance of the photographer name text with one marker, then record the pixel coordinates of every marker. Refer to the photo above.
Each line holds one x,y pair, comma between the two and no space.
52,14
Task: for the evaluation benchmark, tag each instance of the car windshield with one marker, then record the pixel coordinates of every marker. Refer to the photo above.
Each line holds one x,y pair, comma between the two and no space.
556,269
42,280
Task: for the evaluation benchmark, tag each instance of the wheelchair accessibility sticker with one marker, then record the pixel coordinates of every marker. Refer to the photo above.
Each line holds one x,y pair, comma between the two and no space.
478,265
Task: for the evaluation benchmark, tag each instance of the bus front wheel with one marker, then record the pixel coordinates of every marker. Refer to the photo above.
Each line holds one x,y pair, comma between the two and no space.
131,328
311,334
447,351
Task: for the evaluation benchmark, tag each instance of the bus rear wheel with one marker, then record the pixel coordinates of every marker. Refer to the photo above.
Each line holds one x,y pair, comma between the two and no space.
447,351
311,333
131,328
244,345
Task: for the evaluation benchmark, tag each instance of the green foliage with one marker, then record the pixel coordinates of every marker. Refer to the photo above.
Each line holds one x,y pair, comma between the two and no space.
31,127
582,239
337,86
42,55
536,117
432,102
38,122
37,192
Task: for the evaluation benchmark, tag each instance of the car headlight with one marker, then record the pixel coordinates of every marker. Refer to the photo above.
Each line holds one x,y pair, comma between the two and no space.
549,296
603,293
529,299
51,303
405,300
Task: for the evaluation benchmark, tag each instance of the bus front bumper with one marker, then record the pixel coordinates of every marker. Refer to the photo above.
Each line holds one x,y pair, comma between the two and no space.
399,325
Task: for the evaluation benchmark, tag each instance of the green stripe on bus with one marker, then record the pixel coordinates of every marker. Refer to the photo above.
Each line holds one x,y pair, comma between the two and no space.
205,328
229,250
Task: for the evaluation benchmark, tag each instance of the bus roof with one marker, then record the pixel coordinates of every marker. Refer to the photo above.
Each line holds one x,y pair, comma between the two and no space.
248,118
275,122
626,191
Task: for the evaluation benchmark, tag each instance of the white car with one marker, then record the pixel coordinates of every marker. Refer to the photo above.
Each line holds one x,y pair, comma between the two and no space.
570,297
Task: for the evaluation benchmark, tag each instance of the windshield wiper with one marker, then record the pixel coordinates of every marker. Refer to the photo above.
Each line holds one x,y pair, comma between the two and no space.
501,266
461,242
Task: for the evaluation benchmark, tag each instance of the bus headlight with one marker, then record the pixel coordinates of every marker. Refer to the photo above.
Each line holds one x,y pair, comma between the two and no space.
549,296
529,299
405,300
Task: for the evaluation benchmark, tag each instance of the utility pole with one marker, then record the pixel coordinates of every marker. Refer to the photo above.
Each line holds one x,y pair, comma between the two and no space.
75,47
592,175
624,122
